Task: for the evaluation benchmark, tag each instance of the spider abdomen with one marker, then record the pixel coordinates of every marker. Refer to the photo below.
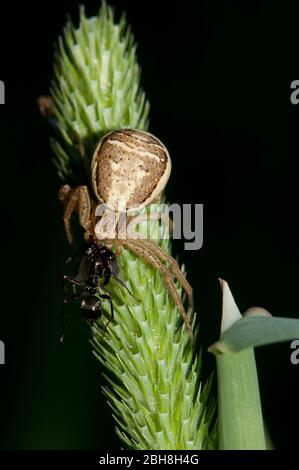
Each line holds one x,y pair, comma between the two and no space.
130,168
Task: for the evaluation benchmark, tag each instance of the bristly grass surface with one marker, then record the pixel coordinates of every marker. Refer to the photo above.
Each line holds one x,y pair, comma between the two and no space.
152,370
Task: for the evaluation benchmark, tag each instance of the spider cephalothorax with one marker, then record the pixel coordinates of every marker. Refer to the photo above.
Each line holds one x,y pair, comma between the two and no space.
129,170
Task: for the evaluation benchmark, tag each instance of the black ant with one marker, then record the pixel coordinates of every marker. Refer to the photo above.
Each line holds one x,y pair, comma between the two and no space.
98,264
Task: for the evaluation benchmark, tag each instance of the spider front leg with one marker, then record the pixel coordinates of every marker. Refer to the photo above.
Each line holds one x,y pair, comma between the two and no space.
141,250
76,199
174,267
158,251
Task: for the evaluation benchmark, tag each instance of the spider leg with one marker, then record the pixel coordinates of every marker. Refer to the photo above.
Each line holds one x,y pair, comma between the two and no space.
90,225
64,194
174,267
109,243
77,198
145,253
84,205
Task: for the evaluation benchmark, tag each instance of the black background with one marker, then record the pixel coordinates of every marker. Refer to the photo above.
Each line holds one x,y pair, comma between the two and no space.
218,77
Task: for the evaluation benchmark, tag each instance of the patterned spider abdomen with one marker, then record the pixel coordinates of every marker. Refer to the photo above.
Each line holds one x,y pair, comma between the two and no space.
130,168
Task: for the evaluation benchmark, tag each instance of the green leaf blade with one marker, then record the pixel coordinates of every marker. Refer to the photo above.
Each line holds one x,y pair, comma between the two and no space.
240,416
253,331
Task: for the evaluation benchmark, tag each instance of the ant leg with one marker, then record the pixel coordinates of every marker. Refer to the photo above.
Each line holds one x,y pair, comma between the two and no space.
124,285
114,273
76,257
66,299
74,283
108,297
73,256
70,279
